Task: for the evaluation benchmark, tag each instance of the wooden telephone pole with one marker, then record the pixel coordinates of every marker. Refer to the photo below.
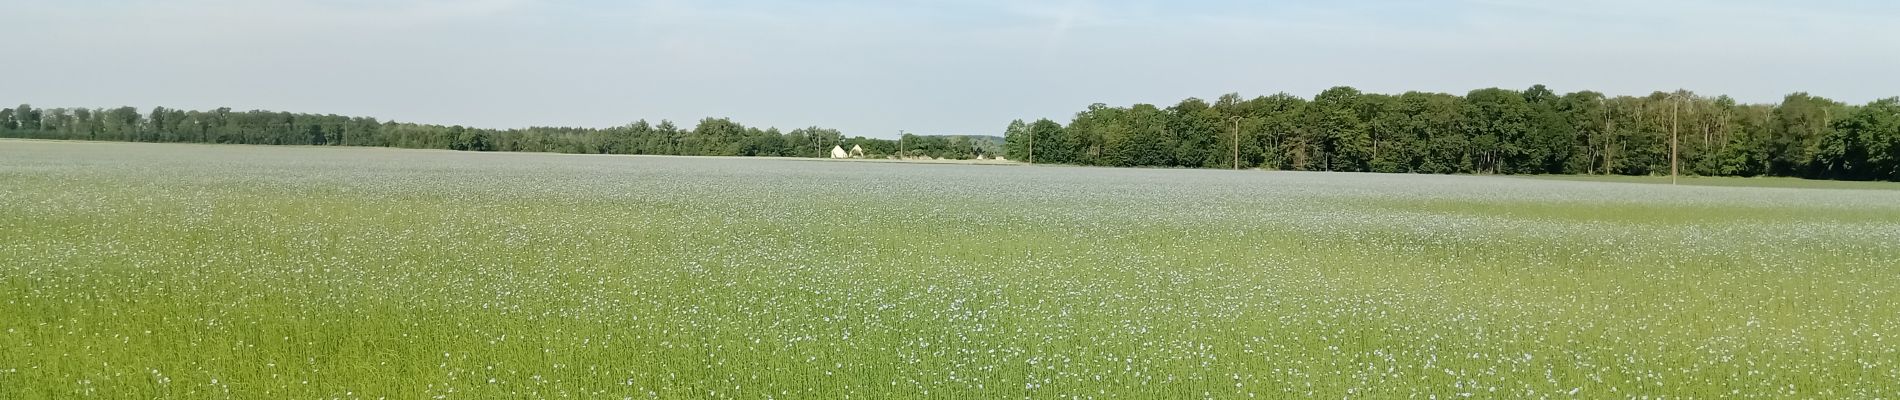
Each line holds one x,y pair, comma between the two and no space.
1236,120
1032,143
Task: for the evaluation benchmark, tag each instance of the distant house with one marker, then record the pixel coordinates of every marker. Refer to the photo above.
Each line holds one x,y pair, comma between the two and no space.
856,151
838,152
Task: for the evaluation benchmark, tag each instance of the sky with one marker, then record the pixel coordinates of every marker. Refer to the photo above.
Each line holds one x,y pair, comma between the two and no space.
873,68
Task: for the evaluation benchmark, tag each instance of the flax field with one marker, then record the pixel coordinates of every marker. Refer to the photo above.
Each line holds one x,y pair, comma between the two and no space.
177,271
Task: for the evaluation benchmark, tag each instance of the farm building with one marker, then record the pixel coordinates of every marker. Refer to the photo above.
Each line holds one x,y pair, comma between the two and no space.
838,152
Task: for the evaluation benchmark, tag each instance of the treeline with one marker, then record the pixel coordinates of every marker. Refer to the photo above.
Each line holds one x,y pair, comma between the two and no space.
1533,131
710,137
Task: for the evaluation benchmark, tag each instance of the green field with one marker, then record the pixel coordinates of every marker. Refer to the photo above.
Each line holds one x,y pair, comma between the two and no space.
207,271
1764,182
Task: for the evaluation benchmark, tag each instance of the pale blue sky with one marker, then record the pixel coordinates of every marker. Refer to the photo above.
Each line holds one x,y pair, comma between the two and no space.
873,67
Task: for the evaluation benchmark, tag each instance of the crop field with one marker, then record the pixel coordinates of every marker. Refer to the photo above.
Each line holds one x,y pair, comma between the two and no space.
206,271
1766,182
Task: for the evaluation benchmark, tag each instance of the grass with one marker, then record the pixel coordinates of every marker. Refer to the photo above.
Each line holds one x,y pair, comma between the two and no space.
163,271
1763,182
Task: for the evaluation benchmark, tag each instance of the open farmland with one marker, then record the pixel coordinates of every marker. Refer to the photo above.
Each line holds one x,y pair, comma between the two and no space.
199,271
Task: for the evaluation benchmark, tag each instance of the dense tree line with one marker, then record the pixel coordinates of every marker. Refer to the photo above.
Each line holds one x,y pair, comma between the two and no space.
710,137
1533,131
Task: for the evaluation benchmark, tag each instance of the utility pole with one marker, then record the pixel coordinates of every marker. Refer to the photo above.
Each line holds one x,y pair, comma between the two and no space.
1032,143
900,144
1236,120
1675,108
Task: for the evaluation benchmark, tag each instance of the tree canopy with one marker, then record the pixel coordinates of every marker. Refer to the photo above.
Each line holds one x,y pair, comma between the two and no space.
1485,131
709,137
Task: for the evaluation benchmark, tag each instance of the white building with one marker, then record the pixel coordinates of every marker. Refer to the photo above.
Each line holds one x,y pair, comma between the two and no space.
838,152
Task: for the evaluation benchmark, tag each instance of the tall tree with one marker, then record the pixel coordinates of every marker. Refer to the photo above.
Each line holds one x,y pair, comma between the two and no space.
1194,129
26,118
1497,121
1052,136
1016,139
1864,144
1550,138
1337,128
1799,124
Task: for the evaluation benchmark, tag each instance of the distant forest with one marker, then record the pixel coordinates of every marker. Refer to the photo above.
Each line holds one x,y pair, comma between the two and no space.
710,137
1486,131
